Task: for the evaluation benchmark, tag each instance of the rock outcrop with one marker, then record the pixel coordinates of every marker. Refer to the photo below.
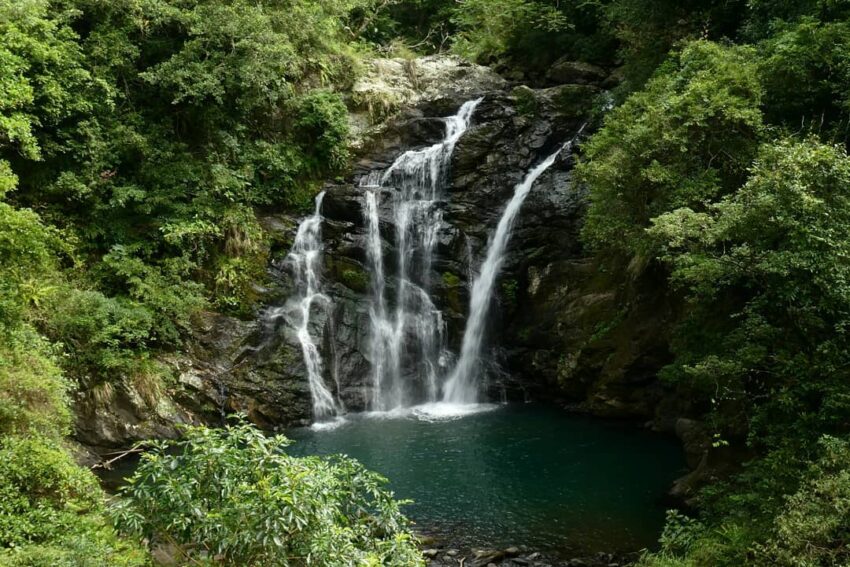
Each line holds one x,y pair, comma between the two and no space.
566,328
568,71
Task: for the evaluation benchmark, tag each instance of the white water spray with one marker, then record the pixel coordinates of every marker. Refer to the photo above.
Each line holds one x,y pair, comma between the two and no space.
306,259
462,385
407,338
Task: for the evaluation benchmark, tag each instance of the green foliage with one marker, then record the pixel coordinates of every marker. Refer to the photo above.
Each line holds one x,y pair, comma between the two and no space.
50,511
33,391
779,246
203,493
680,533
137,138
687,542
510,287
766,16
808,528
490,28
27,262
321,121
424,25
356,279
753,224
648,30
43,80
145,133
523,34
42,491
529,33
149,129
811,56
526,101
814,526
765,273
728,546
102,335
450,279
686,139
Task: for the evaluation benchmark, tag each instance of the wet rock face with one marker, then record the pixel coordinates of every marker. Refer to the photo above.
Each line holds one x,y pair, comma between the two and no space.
565,328
551,301
578,72
440,556
512,130
433,86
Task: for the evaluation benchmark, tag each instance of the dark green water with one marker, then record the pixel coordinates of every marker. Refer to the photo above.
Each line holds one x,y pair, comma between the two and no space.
518,475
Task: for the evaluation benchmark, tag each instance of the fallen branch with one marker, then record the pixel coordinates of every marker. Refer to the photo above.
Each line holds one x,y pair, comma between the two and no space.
108,463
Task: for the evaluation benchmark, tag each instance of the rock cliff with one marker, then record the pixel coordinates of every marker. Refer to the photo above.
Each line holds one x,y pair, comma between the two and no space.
565,327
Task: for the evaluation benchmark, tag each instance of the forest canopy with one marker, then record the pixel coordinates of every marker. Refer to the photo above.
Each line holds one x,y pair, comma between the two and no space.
139,139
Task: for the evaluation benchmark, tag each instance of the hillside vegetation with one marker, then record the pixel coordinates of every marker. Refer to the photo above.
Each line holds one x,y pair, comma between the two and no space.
138,139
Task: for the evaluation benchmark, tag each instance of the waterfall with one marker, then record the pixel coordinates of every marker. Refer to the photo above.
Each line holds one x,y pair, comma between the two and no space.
407,329
461,386
306,259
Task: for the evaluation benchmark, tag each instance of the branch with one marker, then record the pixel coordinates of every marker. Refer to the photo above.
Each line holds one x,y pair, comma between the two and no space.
108,463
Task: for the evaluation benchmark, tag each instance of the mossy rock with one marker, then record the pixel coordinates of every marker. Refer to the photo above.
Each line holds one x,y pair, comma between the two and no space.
453,286
349,273
450,279
510,287
355,279
573,100
525,101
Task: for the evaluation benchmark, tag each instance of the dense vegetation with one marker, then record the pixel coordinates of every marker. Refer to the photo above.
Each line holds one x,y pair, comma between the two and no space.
233,494
729,167
726,165
139,137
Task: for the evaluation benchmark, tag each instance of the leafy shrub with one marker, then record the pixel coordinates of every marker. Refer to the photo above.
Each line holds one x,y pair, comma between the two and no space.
160,289
814,527
28,263
648,31
33,392
490,28
451,280
100,333
773,258
356,279
811,56
531,34
321,124
687,139
42,491
234,494
51,511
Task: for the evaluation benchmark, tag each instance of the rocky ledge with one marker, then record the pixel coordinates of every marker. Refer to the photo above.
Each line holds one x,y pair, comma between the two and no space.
517,556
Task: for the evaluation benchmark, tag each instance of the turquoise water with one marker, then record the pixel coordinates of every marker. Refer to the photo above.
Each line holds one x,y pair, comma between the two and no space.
517,475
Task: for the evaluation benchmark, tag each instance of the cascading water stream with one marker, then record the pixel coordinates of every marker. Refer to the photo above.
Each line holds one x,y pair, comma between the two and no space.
462,386
407,337
407,332
306,259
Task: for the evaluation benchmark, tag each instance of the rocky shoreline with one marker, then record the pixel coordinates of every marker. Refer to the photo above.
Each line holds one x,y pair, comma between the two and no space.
518,556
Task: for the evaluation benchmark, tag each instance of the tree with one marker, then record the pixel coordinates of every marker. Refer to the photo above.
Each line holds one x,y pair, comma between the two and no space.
235,495
684,141
772,259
